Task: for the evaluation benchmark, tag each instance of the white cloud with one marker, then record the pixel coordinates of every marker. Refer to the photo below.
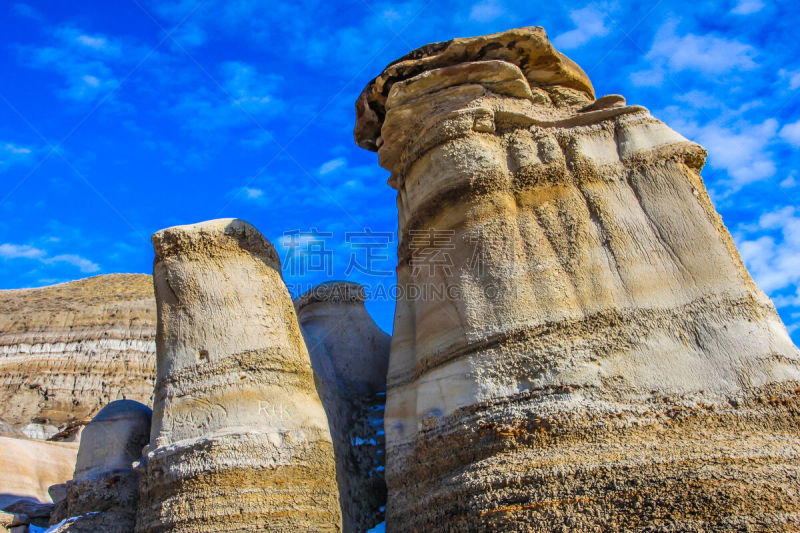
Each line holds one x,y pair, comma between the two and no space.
25,251
83,264
791,133
11,153
253,193
16,251
486,11
708,54
771,250
247,99
86,61
648,78
789,182
332,165
748,7
589,22
741,149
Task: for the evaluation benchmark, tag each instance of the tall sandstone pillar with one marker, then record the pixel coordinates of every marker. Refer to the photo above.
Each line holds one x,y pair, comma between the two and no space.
601,360
239,440
349,355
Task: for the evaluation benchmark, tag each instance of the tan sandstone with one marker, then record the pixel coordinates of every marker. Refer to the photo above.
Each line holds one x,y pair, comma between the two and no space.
349,356
239,440
602,361
67,350
28,467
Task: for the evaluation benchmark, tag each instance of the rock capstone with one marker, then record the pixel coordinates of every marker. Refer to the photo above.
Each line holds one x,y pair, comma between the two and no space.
349,356
239,440
594,355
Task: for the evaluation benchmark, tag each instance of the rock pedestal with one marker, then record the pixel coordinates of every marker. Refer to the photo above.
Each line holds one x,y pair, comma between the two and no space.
593,355
239,439
349,355
104,491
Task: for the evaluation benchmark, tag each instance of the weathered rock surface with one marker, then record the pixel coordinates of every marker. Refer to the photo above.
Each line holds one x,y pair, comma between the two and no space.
602,359
69,349
349,356
28,467
104,491
239,440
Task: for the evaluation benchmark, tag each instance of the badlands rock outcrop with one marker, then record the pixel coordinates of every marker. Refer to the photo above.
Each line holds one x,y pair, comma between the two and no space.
104,490
601,359
239,440
68,350
29,467
349,356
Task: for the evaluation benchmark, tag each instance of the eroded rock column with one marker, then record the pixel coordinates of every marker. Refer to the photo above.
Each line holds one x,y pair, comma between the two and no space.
601,359
104,491
239,439
349,355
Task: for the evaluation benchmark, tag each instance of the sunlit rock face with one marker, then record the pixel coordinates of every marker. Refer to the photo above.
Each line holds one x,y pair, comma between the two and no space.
69,349
600,358
104,491
349,356
239,440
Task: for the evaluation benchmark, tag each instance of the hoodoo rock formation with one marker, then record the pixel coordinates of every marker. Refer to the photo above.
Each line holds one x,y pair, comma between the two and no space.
601,359
68,350
349,356
239,440
104,491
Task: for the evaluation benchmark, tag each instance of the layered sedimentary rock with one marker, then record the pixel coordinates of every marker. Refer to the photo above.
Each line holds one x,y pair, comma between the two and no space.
69,349
239,440
104,490
596,357
28,467
349,356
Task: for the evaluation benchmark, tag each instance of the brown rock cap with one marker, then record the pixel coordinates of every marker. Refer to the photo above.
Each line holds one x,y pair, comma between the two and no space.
527,48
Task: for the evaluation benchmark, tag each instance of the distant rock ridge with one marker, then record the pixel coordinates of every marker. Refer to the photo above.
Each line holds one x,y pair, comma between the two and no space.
602,359
67,350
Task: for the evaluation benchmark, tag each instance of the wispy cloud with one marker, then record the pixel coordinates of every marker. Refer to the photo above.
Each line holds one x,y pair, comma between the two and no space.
708,54
245,96
747,7
770,249
486,11
791,133
24,251
86,61
17,251
589,22
332,165
11,153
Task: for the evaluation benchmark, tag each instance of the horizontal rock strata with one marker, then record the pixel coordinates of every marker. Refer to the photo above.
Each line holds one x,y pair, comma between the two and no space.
349,356
600,359
67,350
239,440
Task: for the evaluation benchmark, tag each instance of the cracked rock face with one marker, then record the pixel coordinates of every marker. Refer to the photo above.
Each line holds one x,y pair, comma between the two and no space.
104,491
239,440
67,350
349,356
596,356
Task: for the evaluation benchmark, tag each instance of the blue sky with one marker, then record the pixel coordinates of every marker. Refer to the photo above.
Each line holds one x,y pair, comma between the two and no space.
121,118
